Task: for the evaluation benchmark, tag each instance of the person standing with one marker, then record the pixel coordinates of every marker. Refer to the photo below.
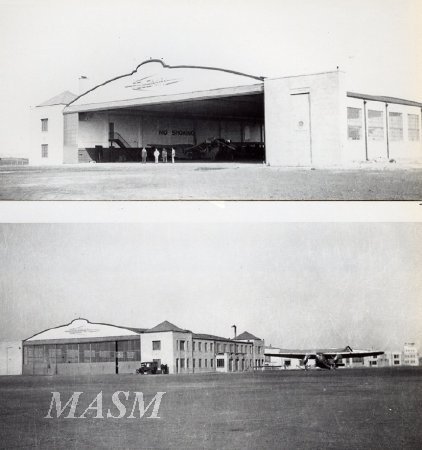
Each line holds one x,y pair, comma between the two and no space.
144,155
156,155
173,154
164,155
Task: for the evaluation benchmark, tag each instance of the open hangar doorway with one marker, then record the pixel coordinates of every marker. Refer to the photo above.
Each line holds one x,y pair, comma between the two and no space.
226,129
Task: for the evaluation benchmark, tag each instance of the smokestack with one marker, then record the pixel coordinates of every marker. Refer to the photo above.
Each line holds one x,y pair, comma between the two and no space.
83,84
235,331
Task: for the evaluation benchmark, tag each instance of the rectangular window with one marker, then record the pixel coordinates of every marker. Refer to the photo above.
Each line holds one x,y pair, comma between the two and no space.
375,125
72,353
129,350
187,363
182,346
396,126
218,348
211,347
156,345
212,363
205,346
354,124
413,124
199,362
396,363
44,150
206,362
193,363
200,346
182,363
44,124
220,362
193,345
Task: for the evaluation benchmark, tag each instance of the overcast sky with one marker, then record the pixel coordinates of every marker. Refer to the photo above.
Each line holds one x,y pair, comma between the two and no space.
46,45
295,285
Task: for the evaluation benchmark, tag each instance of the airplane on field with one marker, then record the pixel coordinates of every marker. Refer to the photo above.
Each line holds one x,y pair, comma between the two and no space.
324,358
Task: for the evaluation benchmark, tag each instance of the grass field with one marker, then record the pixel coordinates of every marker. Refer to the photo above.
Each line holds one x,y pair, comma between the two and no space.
206,181
347,408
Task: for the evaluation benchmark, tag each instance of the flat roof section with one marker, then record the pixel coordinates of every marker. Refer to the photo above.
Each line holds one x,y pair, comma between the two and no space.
384,99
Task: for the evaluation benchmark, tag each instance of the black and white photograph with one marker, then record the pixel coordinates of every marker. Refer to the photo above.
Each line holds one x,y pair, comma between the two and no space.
210,224
211,335
211,100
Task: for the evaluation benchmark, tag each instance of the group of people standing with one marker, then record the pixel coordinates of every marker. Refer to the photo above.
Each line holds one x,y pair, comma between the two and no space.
157,155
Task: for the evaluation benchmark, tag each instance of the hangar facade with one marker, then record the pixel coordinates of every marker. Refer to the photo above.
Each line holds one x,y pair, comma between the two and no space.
206,113
83,347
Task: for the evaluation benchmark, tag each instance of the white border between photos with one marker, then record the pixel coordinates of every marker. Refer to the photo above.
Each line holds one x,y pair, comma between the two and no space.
207,212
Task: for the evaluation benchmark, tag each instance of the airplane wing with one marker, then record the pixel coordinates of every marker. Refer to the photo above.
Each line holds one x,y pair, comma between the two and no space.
330,353
293,354
355,354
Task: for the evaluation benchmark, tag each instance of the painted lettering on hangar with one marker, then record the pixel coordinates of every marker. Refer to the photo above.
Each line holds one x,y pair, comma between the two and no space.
177,132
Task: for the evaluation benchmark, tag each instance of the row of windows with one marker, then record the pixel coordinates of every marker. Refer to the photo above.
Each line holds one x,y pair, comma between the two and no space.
208,346
375,125
82,353
183,363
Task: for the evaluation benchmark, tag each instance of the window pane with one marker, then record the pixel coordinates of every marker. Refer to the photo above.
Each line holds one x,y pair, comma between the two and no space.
44,124
375,125
413,121
396,126
354,123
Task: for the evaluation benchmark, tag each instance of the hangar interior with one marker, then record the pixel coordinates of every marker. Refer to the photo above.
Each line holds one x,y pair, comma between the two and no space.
215,129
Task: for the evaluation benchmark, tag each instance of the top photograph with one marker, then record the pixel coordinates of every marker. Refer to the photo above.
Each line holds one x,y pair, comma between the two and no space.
283,103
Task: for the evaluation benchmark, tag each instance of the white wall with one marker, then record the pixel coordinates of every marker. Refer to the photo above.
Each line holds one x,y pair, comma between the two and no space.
53,137
93,130
326,118
168,352
70,138
10,358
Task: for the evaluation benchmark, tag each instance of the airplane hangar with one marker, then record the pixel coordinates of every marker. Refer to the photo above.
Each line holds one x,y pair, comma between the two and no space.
84,347
211,114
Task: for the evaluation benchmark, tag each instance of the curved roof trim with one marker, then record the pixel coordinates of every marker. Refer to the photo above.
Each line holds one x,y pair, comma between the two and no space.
92,323
166,66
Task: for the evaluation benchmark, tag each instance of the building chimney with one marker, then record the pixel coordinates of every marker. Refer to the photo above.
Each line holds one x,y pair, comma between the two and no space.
83,84
235,331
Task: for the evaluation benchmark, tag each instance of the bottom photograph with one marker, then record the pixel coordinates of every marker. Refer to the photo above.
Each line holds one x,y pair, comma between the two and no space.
211,335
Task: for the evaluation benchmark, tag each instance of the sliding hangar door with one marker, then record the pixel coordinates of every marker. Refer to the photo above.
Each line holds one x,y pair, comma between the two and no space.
205,114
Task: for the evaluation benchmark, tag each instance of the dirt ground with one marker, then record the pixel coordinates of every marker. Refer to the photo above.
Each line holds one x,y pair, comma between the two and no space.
343,409
207,181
